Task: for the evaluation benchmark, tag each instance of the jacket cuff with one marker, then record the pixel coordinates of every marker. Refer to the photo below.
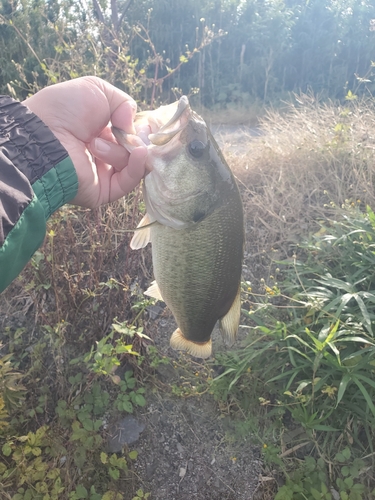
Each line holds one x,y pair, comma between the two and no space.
57,187
39,155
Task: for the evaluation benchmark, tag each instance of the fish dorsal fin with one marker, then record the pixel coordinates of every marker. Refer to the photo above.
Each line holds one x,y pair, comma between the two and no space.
154,291
141,236
230,322
180,343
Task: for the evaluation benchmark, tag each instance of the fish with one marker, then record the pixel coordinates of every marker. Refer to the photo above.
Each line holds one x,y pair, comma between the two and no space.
194,220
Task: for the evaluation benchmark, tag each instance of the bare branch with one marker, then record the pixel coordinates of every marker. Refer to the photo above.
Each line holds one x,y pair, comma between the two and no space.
98,11
124,11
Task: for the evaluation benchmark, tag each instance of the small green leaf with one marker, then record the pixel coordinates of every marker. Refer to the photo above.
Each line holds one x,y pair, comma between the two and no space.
345,471
6,449
127,406
342,388
114,473
81,492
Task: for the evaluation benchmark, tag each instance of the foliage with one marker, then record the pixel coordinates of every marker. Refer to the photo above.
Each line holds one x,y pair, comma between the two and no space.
313,346
236,52
11,390
81,367
310,480
38,465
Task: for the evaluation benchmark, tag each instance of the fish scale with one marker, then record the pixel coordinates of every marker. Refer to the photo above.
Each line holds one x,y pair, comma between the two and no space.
198,270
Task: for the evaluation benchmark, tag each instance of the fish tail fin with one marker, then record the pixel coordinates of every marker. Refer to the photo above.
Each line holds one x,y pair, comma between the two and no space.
199,350
230,322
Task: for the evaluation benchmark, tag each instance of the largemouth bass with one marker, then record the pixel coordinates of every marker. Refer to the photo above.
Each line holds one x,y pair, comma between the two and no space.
195,223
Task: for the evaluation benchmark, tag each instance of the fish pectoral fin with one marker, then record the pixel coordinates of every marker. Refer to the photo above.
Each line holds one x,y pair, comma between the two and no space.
230,322
142,235
199,350
154,291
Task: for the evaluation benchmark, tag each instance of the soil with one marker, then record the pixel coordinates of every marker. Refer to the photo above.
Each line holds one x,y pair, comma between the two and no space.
187,450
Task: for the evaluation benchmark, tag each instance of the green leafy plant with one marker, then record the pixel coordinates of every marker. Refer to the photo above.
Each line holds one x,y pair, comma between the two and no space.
318,339
129,396
311,480
26,464
115,464
141,495
11,389
106,357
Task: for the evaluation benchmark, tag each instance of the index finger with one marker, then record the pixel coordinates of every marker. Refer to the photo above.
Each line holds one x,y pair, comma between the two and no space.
122,107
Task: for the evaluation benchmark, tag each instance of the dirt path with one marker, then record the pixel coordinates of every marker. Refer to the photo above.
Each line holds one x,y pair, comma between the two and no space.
235,138
187,450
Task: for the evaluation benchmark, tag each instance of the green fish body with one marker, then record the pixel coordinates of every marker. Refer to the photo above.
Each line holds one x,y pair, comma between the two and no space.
195,224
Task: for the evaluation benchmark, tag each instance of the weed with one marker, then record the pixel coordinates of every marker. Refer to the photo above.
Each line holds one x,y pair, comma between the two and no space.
313,347
37,465
128,395
141,495
311,480
11,390
155,359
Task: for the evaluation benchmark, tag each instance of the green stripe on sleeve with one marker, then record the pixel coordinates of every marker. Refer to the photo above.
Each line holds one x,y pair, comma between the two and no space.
22,241
57,187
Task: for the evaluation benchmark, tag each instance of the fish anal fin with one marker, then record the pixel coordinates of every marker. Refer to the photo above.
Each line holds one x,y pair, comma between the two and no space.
230,322
199,350
141,236
154,291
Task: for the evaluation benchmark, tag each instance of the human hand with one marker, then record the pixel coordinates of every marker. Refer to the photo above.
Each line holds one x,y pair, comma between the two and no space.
78,113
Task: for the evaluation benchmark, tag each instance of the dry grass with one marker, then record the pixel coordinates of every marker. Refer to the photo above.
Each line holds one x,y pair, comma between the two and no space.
233,114
84,275
309,159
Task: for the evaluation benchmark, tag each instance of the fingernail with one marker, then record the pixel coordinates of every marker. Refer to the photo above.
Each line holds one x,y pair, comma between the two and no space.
102,146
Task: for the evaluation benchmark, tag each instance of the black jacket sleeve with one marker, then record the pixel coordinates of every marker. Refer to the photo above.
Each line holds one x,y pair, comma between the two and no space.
36,178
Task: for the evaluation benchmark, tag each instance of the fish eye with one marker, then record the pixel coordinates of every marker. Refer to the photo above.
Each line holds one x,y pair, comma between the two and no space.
196,148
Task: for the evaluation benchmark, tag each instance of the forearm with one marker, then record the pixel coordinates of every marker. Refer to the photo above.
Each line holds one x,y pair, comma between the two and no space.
36,178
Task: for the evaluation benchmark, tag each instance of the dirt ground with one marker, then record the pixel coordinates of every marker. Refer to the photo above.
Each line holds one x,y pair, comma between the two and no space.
186,451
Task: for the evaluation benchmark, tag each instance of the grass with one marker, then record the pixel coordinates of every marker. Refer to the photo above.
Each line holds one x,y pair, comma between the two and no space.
311,158
308,365
309,362
303,386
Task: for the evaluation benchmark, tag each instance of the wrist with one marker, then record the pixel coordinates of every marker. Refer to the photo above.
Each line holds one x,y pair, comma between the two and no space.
43,159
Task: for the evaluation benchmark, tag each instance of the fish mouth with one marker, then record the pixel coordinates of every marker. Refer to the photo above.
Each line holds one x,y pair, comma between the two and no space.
174,125
158,127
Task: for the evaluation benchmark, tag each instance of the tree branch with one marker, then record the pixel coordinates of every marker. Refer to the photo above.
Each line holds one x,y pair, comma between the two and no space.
98,11
125,9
